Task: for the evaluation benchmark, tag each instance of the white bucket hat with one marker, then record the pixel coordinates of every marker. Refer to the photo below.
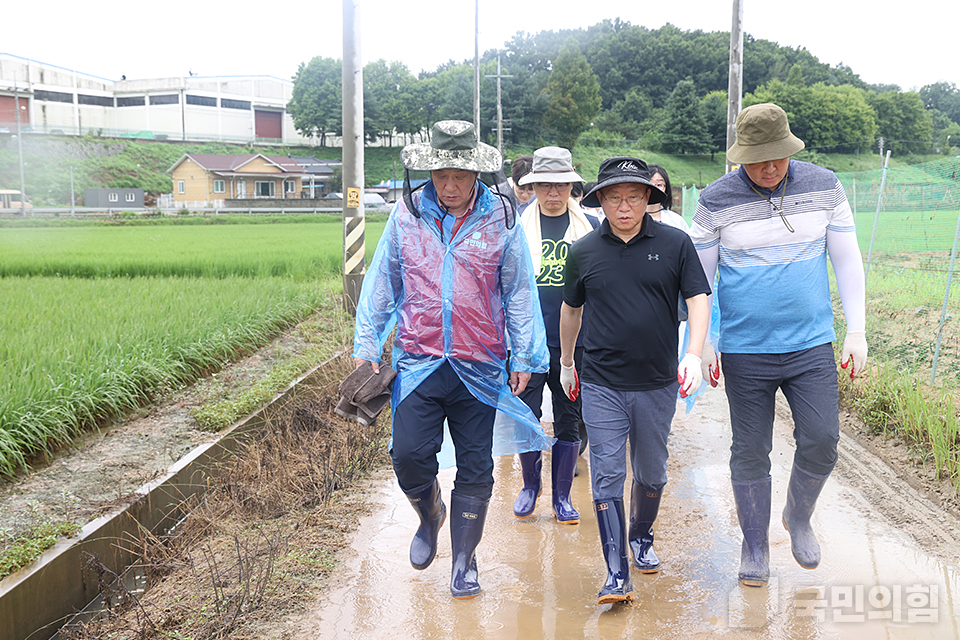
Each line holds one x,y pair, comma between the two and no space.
551,164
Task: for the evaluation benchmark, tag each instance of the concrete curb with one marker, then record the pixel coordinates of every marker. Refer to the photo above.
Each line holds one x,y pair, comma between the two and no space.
37,600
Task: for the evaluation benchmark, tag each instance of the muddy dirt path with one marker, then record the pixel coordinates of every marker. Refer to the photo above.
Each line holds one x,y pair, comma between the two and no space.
889,567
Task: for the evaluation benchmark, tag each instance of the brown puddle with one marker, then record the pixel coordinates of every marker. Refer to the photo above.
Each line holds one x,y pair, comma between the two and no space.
540,578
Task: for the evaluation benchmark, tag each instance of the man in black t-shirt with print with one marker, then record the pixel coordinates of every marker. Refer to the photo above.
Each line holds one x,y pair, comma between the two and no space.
621,286
551,224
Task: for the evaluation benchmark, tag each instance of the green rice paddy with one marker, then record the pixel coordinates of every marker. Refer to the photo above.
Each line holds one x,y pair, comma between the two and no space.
96,320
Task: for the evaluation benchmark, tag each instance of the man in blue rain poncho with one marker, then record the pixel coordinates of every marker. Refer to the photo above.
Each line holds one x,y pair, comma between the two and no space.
452,272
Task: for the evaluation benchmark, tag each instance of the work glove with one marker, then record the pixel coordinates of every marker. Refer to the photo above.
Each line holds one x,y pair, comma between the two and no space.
854,352
689,375
709,365
570,381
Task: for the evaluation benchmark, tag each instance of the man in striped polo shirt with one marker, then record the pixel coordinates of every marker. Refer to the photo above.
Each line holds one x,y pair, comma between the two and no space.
769,226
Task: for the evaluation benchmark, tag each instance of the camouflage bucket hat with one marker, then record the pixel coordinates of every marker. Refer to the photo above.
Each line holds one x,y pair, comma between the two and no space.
763,134
453,145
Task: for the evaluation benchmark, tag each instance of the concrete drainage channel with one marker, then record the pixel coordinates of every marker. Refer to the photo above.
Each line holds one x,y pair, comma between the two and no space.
37,600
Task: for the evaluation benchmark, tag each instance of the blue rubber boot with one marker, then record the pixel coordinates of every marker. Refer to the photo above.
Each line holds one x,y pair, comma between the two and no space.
753,512
564,464
802,494
467,515
428,505
532,463
644,507
613,540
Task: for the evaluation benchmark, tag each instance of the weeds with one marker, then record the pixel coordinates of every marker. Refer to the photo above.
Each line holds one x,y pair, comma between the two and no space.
260,537
19,550
891,404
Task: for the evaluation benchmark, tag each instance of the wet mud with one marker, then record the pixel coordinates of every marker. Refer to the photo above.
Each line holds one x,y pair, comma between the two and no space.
888,568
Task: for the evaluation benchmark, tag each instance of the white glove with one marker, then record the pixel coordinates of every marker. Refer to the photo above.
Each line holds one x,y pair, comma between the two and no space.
854,352
709,365
689,375
570,381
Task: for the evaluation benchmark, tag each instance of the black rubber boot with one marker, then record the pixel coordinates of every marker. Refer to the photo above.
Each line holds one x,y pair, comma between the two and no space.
802,494
613,541
644,506
753,512
532,463
467,515
562,466
428,505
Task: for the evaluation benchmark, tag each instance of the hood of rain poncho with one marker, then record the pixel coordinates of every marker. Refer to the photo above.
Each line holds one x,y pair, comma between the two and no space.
457,301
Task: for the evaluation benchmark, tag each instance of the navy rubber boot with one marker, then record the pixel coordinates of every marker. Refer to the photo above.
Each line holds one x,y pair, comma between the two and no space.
563,465
467,515
613,541
644,507
753,512
802,494
532,463
428,505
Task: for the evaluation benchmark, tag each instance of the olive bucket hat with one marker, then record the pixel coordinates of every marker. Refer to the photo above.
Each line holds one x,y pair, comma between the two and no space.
763,134
453,145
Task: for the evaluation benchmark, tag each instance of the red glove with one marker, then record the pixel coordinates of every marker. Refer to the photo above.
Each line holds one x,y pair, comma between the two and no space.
570,381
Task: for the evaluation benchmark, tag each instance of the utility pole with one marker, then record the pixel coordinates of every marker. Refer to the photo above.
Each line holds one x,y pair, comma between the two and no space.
476,70
735,83
16,107
499,107
353,177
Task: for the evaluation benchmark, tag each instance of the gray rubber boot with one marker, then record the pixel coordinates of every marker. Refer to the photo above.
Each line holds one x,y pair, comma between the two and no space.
802,494
753,512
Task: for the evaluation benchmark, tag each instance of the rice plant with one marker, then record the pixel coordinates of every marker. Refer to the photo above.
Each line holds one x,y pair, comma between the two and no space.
298,251
76,351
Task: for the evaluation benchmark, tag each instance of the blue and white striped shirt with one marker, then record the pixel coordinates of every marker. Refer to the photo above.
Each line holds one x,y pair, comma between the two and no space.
774,291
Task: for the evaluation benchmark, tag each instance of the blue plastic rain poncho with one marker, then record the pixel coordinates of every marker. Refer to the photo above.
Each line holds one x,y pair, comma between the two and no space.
457,300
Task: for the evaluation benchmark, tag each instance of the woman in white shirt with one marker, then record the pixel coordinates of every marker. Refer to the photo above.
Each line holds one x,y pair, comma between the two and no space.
661,211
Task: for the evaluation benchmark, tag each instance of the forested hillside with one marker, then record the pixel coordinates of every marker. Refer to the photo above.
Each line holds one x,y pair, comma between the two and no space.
665,88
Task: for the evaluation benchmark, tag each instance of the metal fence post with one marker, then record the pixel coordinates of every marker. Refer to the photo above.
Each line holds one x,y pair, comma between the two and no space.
946,299
876,219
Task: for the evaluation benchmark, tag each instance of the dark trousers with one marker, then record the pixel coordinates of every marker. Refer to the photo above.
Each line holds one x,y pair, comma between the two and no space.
566,412
808,379
418,434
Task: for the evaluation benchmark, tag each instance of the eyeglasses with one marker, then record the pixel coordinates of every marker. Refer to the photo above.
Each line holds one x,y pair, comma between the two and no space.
523,187
633,201
546,186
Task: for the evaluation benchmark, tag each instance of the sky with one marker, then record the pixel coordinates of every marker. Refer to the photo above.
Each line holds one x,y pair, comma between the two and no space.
909,44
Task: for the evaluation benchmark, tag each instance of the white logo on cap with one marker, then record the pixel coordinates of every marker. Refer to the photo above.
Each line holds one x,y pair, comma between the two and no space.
628,165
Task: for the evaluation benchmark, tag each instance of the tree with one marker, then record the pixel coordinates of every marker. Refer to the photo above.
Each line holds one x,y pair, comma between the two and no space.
795,78
685,131
384,108
944,97
316,105
905,125
713,108
574,96
826,118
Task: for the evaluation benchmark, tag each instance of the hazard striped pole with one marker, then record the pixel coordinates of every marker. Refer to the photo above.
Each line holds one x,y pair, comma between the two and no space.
353,178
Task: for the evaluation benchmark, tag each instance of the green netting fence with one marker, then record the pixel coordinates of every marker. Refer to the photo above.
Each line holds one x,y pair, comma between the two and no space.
908,234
